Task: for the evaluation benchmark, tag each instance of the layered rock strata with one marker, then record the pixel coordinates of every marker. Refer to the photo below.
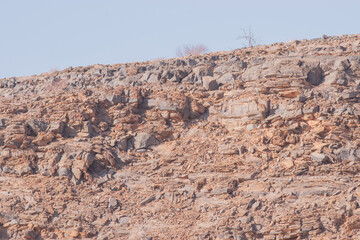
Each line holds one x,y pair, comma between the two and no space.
257,143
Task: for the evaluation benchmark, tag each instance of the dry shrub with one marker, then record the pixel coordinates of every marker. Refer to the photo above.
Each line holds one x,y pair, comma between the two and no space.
189,49
248,37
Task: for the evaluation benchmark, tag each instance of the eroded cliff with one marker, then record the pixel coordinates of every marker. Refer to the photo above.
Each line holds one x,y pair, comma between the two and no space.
258,143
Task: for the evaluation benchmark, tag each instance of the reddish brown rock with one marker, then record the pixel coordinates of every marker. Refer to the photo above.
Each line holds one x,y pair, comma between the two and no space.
257,143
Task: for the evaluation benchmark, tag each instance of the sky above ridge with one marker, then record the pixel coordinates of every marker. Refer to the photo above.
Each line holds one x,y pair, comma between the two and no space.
40,35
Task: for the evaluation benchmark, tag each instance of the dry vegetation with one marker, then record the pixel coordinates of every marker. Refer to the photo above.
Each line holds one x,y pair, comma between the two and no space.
189,49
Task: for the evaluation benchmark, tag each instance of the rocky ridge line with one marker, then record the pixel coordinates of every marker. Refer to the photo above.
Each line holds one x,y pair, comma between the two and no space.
258,143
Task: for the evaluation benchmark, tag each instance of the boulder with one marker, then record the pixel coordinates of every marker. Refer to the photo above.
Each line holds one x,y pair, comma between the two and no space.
191,79
2,123
245,108
144,140
190,62
56,127
226,149
44,138
226,78
15,128
35,126
336,77
69,132
122,143
320,158
204,70
87,129
115,98
81,163
289,111
154,78
315,76
210,83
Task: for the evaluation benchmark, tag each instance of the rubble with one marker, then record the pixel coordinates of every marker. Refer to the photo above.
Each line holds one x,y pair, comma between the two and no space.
255,143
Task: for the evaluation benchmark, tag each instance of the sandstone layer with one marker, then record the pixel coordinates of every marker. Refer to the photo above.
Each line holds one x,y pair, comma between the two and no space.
256,143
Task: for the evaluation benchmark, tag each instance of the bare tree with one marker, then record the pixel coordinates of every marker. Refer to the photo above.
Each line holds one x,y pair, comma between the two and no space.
191,49
248,37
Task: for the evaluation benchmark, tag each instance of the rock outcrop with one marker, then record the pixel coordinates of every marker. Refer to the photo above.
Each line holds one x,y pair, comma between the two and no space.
256,143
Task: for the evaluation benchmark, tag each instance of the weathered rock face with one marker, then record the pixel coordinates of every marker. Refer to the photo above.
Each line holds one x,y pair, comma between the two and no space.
259,143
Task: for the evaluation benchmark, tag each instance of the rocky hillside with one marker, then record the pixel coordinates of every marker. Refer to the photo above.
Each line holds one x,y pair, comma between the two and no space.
258,143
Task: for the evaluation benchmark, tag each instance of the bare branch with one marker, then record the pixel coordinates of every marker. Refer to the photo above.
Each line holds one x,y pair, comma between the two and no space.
187,50
248,37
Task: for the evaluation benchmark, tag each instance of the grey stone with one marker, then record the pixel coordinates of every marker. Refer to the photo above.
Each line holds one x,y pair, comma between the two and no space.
289,111
69,132
144,140
252,73
250,203
87,128
190,79
226,78
3,83
251,126
11,83
16,128
320,158
351,95
96,72
221,69
245,108
342,64
355,62
113,203
345,154
122,143
147,200
256,206
235,67
181,74
167,74
174,75
278,68
115,98
312,109
166,105
256,227
336,77
149,103
63,171
226,149
2,123
154,77
204,70
220,191
37,126
190,62
124,221
145,77
210,83
290,68
315,76
302,98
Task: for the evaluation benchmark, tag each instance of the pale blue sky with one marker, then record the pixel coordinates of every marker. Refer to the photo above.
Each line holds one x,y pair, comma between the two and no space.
39,35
